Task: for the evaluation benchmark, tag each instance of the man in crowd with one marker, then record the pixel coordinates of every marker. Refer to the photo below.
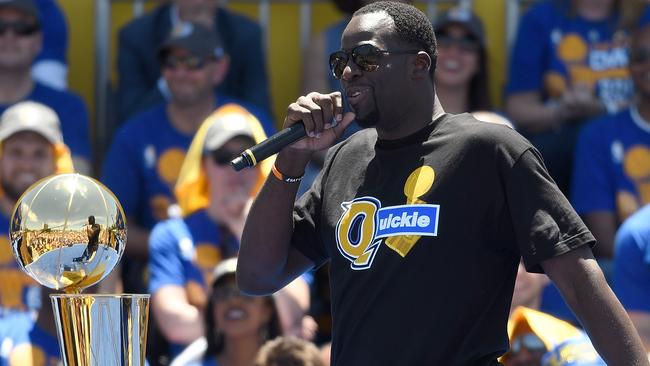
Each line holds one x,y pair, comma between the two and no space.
20,43
31,148
140,82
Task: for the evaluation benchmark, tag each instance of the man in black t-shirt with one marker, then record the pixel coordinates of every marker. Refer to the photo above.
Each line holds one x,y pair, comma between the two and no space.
92,231
423,218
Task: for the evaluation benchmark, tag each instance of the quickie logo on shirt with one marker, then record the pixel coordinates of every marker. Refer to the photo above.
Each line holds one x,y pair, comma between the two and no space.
364,222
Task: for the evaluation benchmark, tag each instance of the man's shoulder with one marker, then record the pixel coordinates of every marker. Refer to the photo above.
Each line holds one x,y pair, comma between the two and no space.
56,99
167,233
604,127
465,128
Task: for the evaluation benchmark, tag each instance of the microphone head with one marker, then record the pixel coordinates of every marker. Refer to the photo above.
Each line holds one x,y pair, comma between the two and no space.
239,163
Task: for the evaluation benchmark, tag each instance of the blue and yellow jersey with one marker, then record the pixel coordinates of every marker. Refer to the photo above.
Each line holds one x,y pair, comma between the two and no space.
612,165
144,162
18,291
570,51
24,343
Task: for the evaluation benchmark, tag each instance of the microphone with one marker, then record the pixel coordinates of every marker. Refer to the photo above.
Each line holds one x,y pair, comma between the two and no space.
272,145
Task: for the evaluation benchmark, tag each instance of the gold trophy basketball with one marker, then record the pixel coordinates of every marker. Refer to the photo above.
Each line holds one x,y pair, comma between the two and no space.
68,232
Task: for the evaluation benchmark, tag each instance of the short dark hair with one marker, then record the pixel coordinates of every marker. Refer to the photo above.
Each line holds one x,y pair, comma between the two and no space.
411,25
91,220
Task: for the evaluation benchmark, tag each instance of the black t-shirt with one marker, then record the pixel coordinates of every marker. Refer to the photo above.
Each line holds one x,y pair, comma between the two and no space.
424,236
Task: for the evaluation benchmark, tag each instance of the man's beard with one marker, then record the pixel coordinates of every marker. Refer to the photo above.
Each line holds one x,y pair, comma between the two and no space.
12,192
369,120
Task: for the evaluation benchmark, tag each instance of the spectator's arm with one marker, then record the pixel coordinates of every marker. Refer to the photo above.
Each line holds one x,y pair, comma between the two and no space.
603,225
641,321
583,286
529,112
179,321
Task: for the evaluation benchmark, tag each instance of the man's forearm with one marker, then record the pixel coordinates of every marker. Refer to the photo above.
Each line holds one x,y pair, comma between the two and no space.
584,288
264,251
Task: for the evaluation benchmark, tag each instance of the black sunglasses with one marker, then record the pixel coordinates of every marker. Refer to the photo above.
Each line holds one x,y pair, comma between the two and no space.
190,62
366,56
466,43
20,27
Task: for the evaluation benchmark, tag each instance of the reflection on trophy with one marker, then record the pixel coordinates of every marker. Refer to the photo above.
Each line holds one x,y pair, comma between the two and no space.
68,232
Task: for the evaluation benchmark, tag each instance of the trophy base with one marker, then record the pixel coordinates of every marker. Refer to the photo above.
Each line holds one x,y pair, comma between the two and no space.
101,330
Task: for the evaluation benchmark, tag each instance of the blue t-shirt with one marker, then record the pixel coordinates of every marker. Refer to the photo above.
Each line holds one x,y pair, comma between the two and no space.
23,342
184,252
18,291
143,163
72,113
612,165
632,262
568,51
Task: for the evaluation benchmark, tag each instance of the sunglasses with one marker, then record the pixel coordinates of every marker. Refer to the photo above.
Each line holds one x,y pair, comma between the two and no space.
190,62
366,56
466,43
228,292
529,341
20,27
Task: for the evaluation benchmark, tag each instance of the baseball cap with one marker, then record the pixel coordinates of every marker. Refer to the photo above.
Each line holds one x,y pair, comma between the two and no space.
464,17
26,6
224,128
196,39
31,116
225,267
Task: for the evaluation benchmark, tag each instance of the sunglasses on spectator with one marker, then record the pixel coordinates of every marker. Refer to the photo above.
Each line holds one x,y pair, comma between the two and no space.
224,156
529,341
466,43
225,293
190,62
366,56
19,27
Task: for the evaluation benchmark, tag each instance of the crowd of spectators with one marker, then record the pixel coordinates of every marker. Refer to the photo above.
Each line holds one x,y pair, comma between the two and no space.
193,91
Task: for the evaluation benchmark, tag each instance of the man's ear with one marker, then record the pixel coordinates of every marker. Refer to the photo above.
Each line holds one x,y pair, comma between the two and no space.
422,64
221,70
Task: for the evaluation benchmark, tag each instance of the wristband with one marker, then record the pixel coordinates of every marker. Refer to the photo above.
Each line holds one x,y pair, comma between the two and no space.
283,177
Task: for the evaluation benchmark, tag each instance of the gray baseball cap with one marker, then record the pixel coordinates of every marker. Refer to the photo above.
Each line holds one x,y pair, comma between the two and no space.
31,116
196,39
226,127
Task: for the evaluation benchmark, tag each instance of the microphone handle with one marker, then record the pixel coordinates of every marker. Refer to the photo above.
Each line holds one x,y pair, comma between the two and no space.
270,146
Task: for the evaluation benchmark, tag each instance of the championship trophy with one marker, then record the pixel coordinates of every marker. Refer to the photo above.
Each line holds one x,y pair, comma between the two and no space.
68,232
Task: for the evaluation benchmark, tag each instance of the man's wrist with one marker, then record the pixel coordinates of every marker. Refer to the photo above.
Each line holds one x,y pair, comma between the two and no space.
292,163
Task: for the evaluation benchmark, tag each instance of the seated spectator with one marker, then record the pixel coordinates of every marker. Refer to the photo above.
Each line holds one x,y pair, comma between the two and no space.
51,66
461,71
28,340
288,351
31,148
611,176
145,158
632,271
576,70
20,43
213,199
537,338
236,325
141,85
